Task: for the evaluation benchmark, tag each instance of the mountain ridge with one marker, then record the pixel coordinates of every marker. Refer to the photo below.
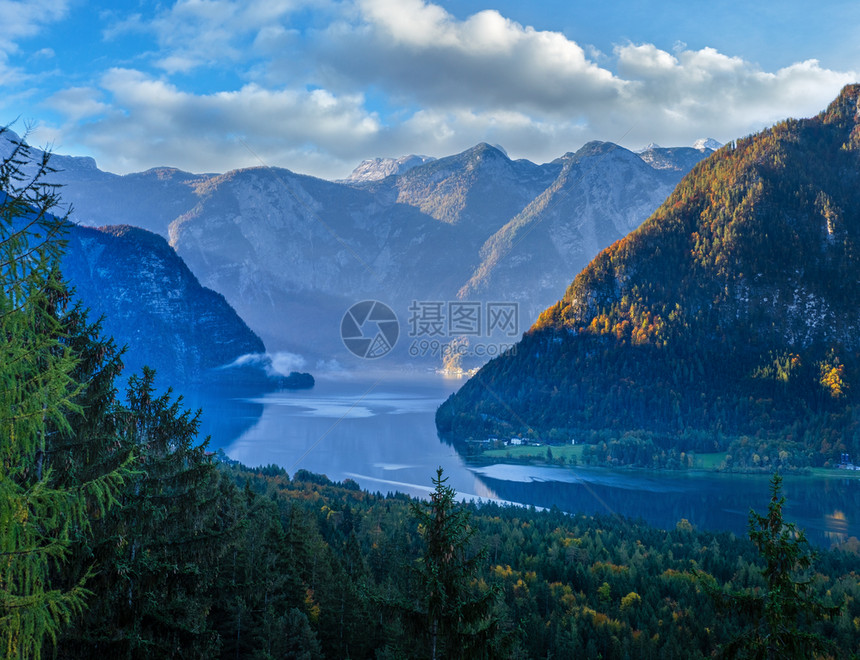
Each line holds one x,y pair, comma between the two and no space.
414,236
150,301
292,252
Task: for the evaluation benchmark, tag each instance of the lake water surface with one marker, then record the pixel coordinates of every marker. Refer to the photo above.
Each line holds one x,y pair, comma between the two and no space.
378,429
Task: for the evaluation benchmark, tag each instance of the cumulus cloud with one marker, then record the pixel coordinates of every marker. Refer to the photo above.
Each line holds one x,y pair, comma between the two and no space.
78,103
485,62
368,78
693,93
153,121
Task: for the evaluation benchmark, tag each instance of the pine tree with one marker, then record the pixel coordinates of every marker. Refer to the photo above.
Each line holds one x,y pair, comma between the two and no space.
39,517
93,446
254,591
174,524
459,621
777,620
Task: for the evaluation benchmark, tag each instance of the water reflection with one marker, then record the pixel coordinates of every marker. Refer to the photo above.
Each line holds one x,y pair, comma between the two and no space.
226,413
380,432
709,501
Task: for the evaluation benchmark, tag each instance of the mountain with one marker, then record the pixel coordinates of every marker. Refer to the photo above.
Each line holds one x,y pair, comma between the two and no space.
379,168
677,159
727,322
291,253
706,143
152,303
599,194
150,200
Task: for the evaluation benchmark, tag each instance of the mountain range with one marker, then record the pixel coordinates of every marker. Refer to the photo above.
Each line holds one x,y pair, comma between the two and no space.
727,322
143,293
291,253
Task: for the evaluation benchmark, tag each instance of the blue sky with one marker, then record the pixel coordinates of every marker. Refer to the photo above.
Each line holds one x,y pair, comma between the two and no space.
318,86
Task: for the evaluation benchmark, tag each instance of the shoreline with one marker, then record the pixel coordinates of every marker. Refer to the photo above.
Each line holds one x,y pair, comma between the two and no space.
537,461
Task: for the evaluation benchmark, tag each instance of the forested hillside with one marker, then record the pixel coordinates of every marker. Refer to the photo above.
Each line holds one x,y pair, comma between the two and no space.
153,304
728,322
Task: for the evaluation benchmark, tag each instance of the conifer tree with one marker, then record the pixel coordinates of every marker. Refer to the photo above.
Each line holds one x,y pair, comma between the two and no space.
778,620
39,516
93,446
459,621
166,539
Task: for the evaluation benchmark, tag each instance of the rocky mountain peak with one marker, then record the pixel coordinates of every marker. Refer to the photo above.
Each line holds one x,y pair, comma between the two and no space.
703,144
376,169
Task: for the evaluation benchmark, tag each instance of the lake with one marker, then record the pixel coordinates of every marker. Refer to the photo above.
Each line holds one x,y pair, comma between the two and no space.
378,429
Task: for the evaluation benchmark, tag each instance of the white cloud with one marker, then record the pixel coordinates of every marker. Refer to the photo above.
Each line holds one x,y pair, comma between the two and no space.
283,362
466,74
154,122
705,92
421,52
389,77
78,103
280,363
25,18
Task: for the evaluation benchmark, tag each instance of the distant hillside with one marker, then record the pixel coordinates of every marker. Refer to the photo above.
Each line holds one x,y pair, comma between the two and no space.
730,321
291,253
153,304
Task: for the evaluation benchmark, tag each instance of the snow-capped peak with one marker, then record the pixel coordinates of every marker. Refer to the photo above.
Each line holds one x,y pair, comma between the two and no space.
706,143
379,168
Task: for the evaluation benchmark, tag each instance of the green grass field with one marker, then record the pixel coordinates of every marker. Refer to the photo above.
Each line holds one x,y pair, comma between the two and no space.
709,461
536,453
